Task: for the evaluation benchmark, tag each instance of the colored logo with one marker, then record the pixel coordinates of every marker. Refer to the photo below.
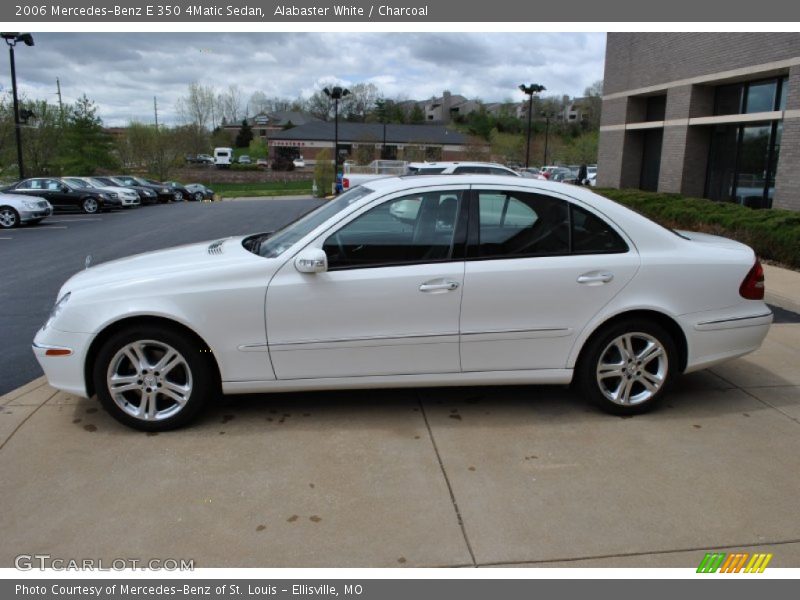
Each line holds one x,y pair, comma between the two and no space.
738,562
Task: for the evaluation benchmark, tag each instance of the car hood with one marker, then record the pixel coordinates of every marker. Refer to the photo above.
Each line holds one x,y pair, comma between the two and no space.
167,265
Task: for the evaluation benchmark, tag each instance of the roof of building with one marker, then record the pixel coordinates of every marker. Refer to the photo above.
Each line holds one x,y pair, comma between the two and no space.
279,118
373,132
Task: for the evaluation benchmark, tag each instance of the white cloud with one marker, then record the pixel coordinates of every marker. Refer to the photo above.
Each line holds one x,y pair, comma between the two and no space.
123,72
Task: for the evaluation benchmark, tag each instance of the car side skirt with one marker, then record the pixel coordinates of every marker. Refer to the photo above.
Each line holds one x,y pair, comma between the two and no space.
538,376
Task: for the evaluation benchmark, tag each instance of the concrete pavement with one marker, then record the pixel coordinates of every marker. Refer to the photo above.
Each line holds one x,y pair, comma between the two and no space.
518,476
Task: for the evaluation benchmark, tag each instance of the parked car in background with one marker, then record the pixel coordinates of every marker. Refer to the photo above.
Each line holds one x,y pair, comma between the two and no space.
121,197
163,192
198,192
21,209
205,159
146,195
262,162
531,172
244,159
61,194
299,162
460,168
179,191
556,285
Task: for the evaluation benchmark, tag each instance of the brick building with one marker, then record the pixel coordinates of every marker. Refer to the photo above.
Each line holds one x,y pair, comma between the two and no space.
432,142
714,115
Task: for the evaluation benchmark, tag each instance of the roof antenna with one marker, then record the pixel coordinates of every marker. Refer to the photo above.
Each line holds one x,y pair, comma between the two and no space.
88,261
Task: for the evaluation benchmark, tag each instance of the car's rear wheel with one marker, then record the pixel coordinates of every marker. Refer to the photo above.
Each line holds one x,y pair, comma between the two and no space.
198,196
153,379
626,368
9,218
90,206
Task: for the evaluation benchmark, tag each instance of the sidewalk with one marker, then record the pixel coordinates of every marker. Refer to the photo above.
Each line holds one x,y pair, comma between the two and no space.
782,287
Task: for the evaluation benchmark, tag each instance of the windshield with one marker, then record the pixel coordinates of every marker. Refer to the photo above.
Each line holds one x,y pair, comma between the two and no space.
279,242
123,181
97,182
141,181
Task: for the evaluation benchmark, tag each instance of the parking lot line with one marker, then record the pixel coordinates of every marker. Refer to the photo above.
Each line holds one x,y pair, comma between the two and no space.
78,220
43,228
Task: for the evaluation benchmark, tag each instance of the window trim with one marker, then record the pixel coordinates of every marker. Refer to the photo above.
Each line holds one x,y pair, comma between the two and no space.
473,234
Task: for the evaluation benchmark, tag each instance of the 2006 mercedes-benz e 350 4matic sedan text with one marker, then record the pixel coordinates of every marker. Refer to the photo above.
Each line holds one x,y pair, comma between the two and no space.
411,281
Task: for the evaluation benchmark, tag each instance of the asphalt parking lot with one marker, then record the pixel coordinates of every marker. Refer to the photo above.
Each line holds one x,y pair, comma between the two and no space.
488,477
37,260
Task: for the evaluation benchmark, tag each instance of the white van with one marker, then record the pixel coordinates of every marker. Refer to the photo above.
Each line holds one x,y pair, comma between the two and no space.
223,157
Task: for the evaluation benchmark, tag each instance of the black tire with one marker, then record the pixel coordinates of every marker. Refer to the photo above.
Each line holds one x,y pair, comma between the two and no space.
659,374
90,206
9,218
196,361
198,196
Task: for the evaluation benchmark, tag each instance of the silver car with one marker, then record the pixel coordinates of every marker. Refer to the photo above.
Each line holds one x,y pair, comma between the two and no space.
126,196
16,209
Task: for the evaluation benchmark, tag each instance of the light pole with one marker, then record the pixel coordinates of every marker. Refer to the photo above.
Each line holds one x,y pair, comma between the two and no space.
530,90
336,93
12,39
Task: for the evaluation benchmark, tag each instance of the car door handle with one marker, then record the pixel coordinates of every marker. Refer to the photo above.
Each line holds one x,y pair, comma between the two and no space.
596,277
445,286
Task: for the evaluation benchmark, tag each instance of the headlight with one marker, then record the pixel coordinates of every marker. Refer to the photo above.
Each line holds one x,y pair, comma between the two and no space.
148,193
112,195
30,205
57,309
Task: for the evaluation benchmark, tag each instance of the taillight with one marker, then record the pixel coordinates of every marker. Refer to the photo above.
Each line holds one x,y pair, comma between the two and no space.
752,287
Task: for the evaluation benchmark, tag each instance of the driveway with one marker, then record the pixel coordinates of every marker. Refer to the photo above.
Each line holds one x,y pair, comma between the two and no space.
517,476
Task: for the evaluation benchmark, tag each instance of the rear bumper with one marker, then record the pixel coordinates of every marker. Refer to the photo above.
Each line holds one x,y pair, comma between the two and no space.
715,339
63,371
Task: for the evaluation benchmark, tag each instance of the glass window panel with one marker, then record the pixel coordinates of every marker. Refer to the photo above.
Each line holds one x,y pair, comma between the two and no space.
761,97
592,235
412,229
519,224
728,99
784,93
752,174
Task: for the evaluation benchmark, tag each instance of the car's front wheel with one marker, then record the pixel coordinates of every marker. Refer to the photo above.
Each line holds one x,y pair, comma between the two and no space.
90,206
9,218
153,379
198,196
626,368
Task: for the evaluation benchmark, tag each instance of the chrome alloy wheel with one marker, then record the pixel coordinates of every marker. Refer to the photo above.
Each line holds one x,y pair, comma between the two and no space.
632,368
90,206
8,218
149,380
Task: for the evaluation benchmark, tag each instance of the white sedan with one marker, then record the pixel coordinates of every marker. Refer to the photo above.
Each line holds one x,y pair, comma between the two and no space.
490,280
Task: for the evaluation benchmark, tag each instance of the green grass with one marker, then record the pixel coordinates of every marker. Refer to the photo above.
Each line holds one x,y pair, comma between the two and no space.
773,233
263,188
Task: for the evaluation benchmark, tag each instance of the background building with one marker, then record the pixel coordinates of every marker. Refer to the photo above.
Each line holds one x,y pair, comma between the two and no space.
428,142
714,115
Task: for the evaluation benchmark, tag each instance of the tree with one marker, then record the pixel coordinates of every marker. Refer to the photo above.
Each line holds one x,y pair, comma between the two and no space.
230,104
323,172
417,115
245,135
199,106
359,102
87,146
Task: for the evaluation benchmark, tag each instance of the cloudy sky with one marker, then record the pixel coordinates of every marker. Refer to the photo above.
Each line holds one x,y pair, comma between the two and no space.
122,72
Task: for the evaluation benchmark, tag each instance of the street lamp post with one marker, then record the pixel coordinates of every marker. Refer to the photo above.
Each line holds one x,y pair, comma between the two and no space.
530,90
12,39
336,93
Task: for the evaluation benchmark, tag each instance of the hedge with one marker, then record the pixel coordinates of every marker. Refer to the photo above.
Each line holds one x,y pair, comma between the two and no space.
773,233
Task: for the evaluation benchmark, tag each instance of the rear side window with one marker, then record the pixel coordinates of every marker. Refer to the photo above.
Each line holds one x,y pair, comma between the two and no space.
592,235
471,170
519,224
429,171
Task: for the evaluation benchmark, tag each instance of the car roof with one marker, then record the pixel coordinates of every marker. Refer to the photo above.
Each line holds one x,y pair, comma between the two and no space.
452,163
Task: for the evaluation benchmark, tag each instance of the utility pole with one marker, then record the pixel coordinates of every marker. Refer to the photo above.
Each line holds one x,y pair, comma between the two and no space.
530,90
60,100
155,110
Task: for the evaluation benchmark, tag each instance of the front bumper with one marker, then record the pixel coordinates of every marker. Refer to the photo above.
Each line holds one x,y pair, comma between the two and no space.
63,371
26,216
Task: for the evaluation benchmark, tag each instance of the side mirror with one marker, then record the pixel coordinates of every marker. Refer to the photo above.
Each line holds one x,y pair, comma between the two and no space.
311,260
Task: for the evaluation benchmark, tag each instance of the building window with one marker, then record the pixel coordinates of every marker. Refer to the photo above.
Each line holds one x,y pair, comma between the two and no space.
742,163
655,108
764,95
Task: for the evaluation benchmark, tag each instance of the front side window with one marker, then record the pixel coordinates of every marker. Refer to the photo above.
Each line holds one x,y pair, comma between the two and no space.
412,229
